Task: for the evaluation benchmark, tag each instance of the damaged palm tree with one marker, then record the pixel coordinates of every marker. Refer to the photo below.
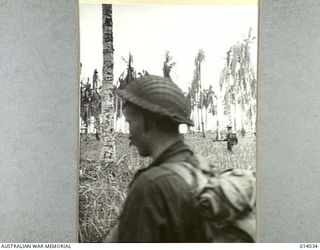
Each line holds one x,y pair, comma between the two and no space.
125,78
107,95
168,65
209,103
238,85
197,89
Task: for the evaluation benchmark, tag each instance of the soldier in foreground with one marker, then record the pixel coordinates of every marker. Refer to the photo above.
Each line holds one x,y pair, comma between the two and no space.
161,205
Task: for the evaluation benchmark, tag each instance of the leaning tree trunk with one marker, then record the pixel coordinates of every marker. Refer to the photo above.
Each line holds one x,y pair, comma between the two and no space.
107,95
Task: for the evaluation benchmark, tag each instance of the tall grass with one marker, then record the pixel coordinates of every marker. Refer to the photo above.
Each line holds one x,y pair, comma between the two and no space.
102,191
243,154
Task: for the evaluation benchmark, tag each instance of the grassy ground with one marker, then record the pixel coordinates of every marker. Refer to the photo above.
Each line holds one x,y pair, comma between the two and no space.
103,191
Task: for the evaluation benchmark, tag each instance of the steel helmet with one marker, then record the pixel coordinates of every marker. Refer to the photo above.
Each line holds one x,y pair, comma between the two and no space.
158,95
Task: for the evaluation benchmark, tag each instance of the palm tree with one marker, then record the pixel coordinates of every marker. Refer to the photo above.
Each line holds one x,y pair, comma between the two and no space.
125,78
192,103
238,84
168,65
196,92
107,92
198,60
209,103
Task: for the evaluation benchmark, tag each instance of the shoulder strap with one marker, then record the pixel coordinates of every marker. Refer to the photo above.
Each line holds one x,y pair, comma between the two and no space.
182,169
193,176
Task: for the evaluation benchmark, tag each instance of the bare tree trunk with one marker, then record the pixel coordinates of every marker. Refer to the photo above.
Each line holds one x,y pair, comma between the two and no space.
235,116
220,109
201,102
218,130
116,113
198,118
243,110
107,95
202,123
206,118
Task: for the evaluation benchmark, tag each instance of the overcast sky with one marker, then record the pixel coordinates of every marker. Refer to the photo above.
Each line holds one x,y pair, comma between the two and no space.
147,31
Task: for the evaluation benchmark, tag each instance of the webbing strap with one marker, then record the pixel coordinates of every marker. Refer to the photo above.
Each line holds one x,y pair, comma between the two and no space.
184,170
193,176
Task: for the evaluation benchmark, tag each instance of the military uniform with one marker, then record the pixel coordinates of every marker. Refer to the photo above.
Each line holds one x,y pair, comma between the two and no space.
231,139
160,206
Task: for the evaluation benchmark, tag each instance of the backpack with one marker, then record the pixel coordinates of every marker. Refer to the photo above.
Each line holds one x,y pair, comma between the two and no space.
226,201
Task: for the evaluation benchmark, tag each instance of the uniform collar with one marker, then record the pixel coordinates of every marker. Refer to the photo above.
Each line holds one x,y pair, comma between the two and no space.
173,150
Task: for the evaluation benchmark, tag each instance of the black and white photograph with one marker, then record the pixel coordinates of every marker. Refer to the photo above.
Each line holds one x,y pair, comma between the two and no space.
173,121
168,110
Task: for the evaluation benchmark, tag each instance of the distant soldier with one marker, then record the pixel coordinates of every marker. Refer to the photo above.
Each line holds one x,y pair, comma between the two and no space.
231,138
